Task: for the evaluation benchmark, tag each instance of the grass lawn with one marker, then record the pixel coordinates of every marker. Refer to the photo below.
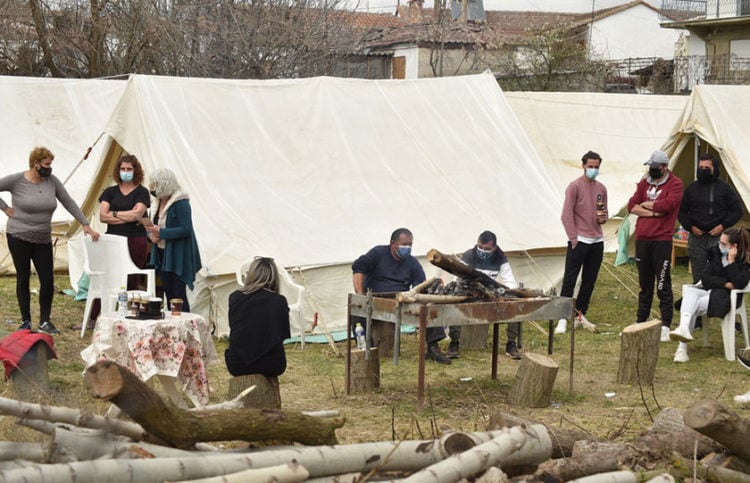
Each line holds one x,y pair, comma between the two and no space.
315,377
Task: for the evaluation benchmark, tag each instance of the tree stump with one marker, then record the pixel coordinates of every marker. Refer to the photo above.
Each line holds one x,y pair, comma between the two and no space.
474,336
383,337
534,381
365,374
639,351
266,394
30,380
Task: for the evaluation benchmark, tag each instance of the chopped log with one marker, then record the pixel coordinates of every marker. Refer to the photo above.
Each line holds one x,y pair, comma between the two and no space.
474,336
580,465
669,433
182,428
721,424
639,351
383,337
30,379
365,372
514,446
428,298
415,289
455,266
627,477
683,468
534,381
266,394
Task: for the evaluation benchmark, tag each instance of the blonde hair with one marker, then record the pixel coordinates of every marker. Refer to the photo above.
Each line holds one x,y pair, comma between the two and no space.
38,154
261,274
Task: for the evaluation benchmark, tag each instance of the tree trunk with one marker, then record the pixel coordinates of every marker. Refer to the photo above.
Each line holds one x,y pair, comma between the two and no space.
566,469
182,428
383,337
288,473
365,375
721,424
266,393
474,336
639,351
30,380
535,379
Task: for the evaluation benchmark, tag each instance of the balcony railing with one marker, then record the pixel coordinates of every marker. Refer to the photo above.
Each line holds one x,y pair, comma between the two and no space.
682,10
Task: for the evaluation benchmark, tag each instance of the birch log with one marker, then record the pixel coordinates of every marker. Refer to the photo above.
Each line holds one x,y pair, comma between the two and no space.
182,428
289,473
514,446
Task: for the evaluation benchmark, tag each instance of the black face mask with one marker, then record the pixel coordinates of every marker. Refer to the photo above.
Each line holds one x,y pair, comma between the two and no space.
153,193
44,172
655,173
704,176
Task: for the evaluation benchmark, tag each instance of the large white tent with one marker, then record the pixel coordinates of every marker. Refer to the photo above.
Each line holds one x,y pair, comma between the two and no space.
623,128
66,116
316,171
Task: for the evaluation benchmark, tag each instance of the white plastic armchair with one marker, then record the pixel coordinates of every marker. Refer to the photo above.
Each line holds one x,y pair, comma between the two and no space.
727,323
295,297
107,263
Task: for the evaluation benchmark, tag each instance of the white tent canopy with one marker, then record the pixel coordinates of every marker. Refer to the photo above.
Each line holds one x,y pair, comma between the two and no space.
316,171
623,128
64,115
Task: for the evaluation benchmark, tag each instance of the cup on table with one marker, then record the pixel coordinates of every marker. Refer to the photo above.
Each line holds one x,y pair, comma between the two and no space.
154,305
176,306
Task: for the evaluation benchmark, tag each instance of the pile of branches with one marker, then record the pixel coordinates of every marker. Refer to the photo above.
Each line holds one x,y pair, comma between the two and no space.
165,443
473,289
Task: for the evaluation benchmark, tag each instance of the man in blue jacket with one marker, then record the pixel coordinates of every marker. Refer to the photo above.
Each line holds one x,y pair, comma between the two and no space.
391,268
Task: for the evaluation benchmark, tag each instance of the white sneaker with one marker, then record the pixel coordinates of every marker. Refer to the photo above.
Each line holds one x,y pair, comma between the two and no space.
582,321
743,398
681,354
562,326
681,335
665,334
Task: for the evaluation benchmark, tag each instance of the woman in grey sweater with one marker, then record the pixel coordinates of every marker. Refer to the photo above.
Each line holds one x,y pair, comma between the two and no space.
34,195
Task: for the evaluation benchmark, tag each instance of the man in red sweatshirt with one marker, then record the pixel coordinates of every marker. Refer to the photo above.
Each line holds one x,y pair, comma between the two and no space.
656,202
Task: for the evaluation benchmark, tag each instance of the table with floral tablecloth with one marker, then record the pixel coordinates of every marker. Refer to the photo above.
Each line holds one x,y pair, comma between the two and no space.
178,347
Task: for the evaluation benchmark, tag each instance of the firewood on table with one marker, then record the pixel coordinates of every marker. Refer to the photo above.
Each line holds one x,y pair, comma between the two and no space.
182,428
426,298
639,351
718,422
416,289
453,265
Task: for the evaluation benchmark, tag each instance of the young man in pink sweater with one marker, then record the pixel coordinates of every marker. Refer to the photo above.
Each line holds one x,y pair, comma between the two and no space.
584,212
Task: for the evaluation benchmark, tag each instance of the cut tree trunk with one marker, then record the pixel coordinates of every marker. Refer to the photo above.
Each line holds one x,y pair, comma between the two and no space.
669,433
30,380
535,379
182,428
365,373
383,337
474,336
453,265
266,394
721,424
639,351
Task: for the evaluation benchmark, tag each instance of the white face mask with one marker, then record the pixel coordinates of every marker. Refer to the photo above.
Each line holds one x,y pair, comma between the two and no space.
592,173
126,176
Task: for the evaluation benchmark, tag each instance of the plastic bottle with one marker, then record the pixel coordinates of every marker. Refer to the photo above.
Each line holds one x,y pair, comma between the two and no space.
359,334
122,301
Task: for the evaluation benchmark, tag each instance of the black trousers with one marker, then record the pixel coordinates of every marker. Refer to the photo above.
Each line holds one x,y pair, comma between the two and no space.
23,253
653,259
585,259
174,288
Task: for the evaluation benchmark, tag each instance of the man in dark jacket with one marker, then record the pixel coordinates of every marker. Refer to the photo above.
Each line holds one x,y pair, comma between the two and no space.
709,206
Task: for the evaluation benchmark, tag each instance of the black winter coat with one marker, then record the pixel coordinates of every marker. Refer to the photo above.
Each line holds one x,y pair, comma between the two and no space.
716,275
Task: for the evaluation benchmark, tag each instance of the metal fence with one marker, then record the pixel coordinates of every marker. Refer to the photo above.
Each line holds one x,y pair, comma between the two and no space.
681,10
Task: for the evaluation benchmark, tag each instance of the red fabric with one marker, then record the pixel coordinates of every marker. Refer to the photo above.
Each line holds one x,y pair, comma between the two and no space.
14,346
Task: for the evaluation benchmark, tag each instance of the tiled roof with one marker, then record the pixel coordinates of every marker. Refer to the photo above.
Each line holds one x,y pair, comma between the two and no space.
450,33
365,21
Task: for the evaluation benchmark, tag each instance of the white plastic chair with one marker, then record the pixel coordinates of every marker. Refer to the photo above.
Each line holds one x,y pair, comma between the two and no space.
727,323
293,292
107,263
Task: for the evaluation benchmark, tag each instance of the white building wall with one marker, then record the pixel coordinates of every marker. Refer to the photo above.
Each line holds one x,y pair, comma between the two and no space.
412,60
633,33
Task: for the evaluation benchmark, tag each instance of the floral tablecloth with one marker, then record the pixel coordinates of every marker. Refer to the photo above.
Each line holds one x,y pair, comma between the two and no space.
176,346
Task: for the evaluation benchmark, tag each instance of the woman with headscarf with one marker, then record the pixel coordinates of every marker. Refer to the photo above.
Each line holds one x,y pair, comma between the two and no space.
258,323
35,193
175,252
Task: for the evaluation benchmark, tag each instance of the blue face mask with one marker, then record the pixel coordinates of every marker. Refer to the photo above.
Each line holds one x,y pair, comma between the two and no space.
483,254
404,251
126,176
724,251
592,173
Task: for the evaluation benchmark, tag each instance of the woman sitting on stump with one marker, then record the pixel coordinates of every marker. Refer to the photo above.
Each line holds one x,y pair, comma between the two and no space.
258,323
728,268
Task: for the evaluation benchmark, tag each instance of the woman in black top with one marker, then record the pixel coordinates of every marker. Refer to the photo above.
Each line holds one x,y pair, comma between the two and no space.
121,206
258,323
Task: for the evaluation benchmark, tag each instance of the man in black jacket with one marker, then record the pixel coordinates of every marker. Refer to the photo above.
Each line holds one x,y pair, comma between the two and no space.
709,206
